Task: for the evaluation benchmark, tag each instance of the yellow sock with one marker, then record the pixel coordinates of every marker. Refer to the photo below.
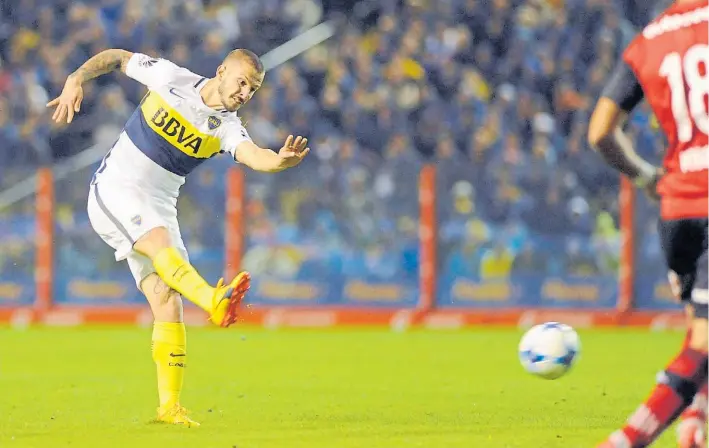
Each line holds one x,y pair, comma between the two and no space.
181,276
170,356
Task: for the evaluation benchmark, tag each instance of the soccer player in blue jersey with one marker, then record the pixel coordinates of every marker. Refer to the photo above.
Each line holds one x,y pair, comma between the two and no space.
183,120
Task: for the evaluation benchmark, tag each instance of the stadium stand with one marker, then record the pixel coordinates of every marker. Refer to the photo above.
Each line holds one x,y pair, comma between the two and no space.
496,93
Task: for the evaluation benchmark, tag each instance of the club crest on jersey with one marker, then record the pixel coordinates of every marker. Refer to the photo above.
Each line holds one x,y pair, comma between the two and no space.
213,122
136,220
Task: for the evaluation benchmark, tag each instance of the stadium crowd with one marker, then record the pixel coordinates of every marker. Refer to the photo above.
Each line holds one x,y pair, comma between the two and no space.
496,93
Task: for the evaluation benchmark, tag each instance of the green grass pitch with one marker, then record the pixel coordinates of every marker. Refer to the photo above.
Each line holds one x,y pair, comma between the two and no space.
254,388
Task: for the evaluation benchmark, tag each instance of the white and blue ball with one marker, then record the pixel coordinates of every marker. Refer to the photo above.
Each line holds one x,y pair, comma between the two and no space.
549,350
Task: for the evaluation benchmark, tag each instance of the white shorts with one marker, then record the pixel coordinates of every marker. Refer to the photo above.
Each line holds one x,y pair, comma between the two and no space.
121,214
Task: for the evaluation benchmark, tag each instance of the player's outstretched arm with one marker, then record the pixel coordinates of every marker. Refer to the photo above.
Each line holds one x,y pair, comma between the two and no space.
69,101
266,160
102,63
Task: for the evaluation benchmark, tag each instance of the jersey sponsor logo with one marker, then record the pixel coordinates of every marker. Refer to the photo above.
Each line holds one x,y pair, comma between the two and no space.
674,22
213,122
172,127
164,120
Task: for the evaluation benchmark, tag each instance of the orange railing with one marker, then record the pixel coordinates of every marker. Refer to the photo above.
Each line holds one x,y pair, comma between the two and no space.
626,277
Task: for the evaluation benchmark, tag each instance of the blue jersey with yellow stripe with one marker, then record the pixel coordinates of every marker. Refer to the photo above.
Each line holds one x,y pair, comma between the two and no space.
172,131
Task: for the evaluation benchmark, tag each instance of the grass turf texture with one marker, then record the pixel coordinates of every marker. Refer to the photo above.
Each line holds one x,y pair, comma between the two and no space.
253,388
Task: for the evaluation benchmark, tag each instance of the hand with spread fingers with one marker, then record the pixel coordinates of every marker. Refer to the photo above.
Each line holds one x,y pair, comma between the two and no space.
69,102
293,151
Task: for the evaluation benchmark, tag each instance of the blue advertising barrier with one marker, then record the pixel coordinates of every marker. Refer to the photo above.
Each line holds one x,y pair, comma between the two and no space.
17,259
530,291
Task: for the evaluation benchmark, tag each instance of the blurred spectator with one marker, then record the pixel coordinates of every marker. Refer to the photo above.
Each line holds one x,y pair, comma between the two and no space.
495,93
496,263
579,262
529,261
465,259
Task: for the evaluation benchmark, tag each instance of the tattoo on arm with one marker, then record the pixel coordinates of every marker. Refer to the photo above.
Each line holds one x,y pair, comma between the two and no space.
102,63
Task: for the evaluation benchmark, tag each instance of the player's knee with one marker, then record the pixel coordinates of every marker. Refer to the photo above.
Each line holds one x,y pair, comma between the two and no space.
172,306
168,307
699,338
166,303
153,242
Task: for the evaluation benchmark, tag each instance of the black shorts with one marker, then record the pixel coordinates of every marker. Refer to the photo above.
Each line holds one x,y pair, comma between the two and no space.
684,242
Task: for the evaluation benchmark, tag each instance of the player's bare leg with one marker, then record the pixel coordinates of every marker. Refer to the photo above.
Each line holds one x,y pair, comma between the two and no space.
221,302
169,349
678,385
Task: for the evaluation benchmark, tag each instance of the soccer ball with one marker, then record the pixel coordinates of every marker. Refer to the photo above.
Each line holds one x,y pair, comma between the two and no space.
549,350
